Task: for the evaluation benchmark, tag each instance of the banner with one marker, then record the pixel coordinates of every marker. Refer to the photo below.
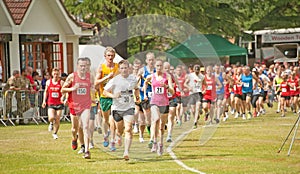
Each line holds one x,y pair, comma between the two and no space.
279,38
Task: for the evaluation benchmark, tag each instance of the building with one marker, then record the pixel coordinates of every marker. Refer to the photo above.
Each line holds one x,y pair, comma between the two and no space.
276,45
40,34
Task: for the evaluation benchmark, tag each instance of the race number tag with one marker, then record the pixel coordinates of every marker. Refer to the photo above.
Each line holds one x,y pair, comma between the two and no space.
283,89
55,95
246,85
23,95
159,90
169,95
81,91
234,87
209,87
150,94
197,88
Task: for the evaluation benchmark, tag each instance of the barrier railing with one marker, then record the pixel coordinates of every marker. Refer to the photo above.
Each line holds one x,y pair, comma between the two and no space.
34,112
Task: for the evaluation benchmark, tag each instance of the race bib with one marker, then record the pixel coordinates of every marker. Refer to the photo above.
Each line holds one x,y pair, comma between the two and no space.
246,85
197,88
159,90
169,94
209,87
283,89
81,91
23,95
150,94
55,95
234,87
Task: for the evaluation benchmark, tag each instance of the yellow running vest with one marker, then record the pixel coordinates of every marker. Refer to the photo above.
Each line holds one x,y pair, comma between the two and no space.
105,71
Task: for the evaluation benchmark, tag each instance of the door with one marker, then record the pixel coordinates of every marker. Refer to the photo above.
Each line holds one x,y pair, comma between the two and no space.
42,56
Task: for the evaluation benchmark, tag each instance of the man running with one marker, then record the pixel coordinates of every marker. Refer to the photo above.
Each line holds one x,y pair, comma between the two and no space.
78,85
121,89
107,71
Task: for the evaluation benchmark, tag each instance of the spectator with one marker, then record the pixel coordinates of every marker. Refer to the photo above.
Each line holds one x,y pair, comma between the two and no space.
46,77
35,76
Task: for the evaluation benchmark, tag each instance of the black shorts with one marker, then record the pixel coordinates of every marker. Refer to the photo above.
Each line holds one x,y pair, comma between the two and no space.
244,95
163,109
145,104
185,101
173,102
196,97
297,95
238,96
286,97
118,115
208,101
57,107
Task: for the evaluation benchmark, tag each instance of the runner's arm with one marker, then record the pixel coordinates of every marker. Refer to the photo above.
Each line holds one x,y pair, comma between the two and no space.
45,94
66,86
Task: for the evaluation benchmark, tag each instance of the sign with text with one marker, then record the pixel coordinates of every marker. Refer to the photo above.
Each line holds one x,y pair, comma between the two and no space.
278,38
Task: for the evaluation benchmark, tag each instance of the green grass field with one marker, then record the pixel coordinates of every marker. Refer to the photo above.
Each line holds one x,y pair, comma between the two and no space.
237,146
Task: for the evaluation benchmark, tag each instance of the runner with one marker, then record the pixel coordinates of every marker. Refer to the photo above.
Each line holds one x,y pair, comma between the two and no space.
161,83
237,88
285,93
78,86
220,103
209,93
54,99
182,95
138,110
247,90
294,81
194,82
145,95
120,89
172,101
107,71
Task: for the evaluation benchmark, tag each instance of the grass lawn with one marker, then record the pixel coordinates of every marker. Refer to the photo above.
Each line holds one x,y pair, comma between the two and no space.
236,146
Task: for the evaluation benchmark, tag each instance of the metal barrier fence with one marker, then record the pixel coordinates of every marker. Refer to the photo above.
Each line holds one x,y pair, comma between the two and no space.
22,105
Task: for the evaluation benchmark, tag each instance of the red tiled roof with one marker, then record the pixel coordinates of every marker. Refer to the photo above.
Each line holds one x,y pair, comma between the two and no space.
17,9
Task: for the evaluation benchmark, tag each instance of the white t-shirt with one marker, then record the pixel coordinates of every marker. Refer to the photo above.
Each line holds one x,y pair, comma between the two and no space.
126,86
195,82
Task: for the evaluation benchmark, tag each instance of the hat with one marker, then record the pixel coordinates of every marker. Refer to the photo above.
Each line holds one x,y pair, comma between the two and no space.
202,69
254,70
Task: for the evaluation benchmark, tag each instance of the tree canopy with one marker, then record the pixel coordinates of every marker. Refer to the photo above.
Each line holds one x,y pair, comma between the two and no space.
228,18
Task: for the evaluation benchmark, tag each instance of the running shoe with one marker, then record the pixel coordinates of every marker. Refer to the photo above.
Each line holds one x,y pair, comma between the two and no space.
282,115
244,117
82,149
141,139
74,144
206,116
119,141
91,145
99,130
226,116
195,125
237,115
256,114
148,129
160,150
50,127
135,129
249,115
55,136
105,142
169,139
150,144
126,157
263,111
217,120
232,111
112,147
154,148
87,155
179,123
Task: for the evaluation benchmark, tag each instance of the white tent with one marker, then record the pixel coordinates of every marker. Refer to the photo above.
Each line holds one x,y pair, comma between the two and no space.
96,54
